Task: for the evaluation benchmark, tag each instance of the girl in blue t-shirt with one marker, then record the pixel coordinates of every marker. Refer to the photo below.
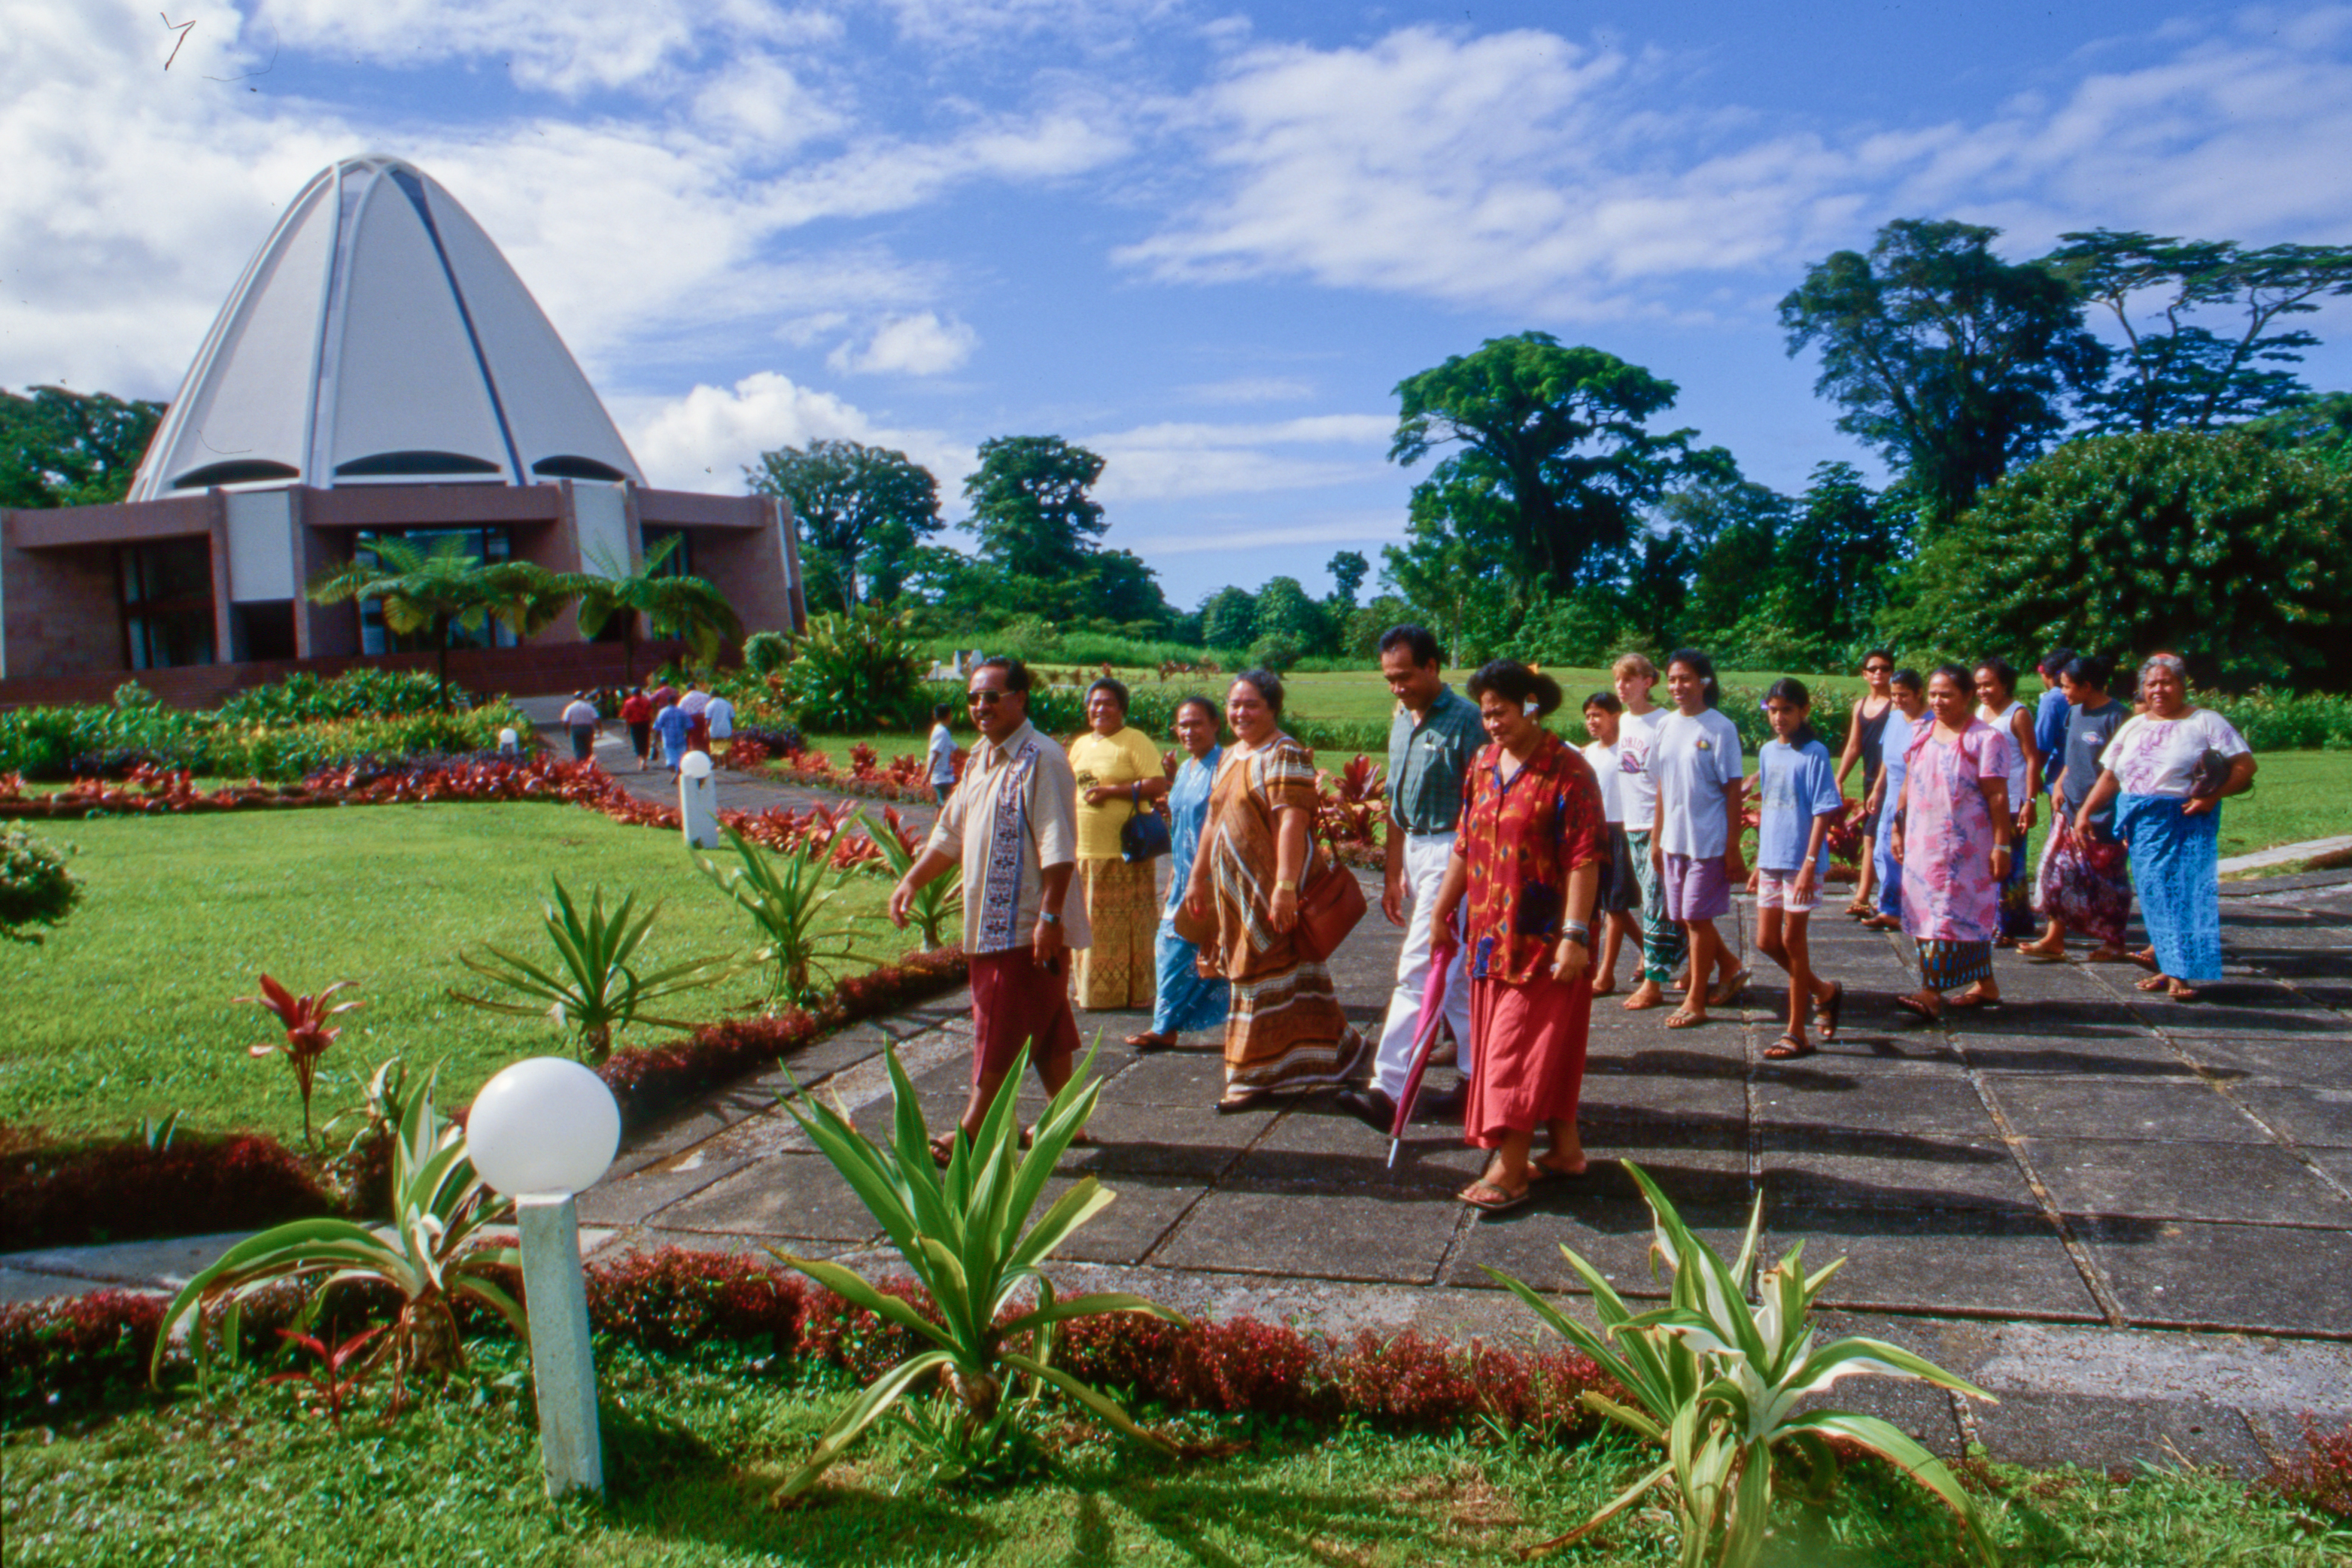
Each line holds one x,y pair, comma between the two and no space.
1798,787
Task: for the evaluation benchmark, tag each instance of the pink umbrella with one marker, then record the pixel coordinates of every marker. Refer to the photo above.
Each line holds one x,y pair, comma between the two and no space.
1433,1013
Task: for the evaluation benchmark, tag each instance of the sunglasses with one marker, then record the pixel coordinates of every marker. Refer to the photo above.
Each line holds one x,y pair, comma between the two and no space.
1878,670
983,699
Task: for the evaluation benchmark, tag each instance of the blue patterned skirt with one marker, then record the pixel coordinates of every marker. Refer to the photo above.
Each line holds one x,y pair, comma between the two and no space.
1184,1000
2176,871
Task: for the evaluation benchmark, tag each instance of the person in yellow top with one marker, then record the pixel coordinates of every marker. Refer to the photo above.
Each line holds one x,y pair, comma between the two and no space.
1118,775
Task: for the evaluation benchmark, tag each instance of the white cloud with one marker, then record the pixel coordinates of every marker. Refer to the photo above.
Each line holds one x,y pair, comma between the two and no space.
1368,530
1170,461
704,440
919,344
1249,389
1522,171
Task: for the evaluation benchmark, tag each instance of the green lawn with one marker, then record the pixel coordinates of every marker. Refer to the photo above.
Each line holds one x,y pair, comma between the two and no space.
126,1011
693,1450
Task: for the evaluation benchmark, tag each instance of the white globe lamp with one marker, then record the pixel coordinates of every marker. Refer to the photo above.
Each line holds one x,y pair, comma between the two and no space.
547,1125
694,764
540,1131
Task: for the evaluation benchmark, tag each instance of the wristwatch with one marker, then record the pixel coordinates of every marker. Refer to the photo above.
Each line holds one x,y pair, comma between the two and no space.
1050,918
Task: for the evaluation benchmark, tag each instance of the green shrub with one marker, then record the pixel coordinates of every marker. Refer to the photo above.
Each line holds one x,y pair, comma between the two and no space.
130,694
55,743
855,671
767,652
1277,651
305,699
36,887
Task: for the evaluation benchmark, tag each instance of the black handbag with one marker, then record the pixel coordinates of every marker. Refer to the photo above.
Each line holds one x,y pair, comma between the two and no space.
1143,836
2213,771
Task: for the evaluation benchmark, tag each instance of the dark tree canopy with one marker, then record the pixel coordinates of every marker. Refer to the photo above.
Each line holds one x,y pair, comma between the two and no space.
2212,545
861,510
1031,507
1556,458
2173,374
1229,618
1349,569
70,449
1951,362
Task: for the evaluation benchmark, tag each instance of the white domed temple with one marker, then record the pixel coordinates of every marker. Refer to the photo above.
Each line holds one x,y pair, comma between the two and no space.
378,370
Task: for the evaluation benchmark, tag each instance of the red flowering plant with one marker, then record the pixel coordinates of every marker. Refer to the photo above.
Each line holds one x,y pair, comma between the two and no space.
328,1383
308,1034
1353,805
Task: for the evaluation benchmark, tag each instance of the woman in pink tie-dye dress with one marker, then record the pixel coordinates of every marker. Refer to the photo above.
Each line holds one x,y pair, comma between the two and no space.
1953,838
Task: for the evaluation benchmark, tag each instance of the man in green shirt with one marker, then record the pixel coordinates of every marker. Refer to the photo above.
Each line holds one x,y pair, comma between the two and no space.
1432,744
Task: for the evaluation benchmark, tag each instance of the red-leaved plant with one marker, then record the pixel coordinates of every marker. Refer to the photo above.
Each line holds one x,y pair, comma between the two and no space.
328,1382
1352,804
307,1034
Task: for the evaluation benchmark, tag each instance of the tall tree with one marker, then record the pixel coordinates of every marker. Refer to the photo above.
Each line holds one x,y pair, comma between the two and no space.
1349,569
70,449
1229,618
1953,362
1031,507
1555,451
1284,610
2173,374
1839,551
648,596
1732,529
862,510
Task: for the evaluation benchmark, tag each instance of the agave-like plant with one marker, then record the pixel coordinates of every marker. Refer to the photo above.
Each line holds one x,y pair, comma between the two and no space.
967,1233
786,897
1718,1380
938,907
593,987
427,1252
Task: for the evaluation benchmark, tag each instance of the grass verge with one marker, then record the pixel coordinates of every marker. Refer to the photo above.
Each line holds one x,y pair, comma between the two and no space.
694,1447
127,1011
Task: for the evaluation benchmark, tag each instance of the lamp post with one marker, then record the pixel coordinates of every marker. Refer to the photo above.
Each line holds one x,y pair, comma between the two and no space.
541,1131
698,801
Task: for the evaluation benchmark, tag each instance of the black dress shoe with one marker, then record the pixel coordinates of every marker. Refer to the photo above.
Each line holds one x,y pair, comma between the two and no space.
1442,1105
1372,1107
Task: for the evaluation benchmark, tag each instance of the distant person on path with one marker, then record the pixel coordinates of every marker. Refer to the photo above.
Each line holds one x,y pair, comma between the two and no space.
580,716
2052,714
940,755
719,719
1954,841
1886,801
1696,769
674,727
2083,883
1257,848
1800,799
696,706
1621,889
637,714
1997,705
2168,770
1013,827
1118,777
1865,740
1524,872
1185,999
1663,945
1431,740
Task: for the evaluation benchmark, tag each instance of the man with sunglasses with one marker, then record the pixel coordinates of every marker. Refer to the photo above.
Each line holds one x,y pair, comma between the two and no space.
1012,824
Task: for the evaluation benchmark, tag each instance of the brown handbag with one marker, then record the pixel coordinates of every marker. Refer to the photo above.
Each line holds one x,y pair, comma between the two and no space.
1330,905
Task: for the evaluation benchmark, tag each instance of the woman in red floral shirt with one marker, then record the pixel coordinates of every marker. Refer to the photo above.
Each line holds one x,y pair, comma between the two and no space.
1528,861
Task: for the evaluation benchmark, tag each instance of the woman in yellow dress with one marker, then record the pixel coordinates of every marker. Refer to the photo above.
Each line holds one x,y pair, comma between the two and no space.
1118,775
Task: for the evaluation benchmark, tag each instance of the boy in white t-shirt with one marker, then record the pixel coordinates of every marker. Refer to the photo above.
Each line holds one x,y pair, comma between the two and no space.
941,752
1663,946
1695,767
1620,893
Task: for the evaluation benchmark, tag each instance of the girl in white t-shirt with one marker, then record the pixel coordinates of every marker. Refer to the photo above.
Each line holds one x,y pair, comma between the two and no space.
1620,893
1695,766
2168,770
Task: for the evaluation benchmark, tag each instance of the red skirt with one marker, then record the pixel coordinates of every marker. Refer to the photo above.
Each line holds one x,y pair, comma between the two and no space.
1014,1003
1529,1057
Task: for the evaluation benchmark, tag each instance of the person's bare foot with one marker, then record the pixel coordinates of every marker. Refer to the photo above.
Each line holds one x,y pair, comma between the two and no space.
1560,1162
2048,947
1648,994
2112,952
2181,991
1605,987
1979,995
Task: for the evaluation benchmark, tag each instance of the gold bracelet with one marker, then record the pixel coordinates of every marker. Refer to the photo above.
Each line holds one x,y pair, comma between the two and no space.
1284,885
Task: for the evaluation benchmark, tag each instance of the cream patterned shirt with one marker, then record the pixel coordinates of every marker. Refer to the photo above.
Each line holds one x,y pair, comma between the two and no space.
1014,814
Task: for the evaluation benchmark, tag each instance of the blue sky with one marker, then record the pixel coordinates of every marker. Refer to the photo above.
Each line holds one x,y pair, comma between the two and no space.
1205,239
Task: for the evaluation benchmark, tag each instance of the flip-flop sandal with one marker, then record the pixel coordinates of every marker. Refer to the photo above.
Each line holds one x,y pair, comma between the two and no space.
1830,1010
2185,993
1502,1202
1882,922
1147,1041
2039,955
943,1149
1248,1100
1729,992
1788,1048
1539,1172
2153,982
1860,911
1683,1020
1972,999
1918,1009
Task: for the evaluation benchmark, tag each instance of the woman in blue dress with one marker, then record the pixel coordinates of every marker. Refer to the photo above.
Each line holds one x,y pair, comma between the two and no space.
1184,1000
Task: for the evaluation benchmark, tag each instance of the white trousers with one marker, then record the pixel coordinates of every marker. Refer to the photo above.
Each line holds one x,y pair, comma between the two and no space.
1425,859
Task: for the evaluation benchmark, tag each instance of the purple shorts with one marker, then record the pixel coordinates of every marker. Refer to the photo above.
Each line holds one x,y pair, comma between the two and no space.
1696,889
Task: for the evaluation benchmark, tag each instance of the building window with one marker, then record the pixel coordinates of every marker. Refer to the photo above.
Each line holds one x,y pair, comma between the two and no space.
681,559
167,603
488,544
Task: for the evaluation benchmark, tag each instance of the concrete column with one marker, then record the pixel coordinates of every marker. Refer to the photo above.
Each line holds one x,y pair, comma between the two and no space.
562,1364
698,807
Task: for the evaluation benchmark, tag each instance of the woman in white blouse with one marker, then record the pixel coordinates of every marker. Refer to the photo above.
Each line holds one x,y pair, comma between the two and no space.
2168,770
